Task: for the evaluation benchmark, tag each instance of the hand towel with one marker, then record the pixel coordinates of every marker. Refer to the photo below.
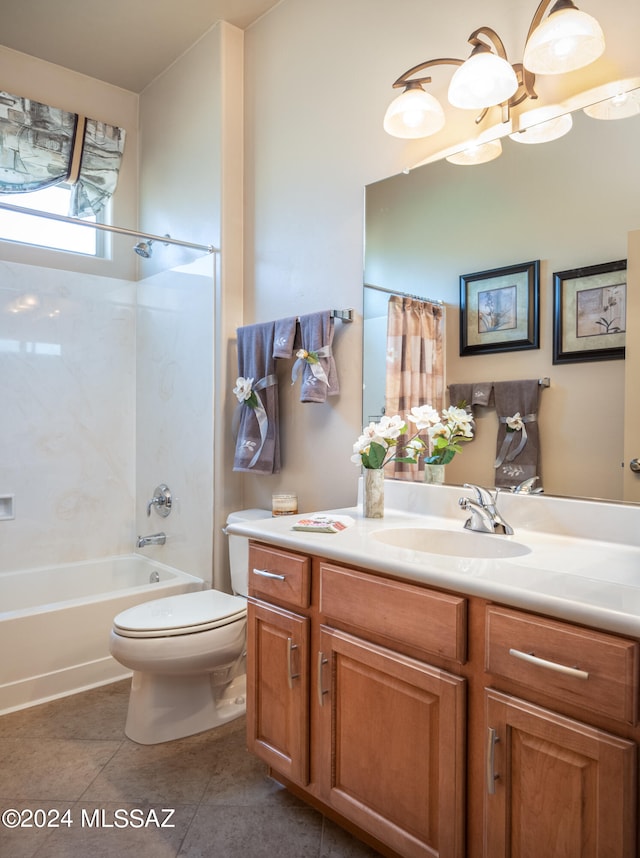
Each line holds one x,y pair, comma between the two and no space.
315,358
285,334
258,435
518,452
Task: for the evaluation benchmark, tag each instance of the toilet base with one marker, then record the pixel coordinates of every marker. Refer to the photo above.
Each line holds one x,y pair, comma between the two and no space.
164,708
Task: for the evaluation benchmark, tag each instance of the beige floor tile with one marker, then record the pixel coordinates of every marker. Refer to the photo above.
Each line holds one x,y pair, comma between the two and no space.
253,832
26,825
176,772
53,769
96,714
338,843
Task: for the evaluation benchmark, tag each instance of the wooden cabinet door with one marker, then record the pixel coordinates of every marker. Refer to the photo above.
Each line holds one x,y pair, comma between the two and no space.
554,786
393,733
278,680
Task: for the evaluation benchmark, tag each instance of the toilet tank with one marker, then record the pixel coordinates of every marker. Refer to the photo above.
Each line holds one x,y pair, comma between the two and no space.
239,549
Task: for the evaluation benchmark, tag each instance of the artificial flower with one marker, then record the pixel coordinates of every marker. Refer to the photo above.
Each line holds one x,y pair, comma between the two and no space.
244,392
446,431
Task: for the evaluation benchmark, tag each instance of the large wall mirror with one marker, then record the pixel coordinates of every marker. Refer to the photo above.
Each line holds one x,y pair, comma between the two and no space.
569,203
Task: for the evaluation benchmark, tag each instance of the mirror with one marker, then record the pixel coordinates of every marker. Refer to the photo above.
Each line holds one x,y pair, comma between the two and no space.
569,203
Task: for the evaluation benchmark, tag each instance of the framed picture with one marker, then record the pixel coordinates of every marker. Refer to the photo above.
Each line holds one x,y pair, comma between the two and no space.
590,313
499,309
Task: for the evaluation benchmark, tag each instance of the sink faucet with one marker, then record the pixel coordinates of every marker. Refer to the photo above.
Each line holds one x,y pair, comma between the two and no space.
484,517
526,487
152,539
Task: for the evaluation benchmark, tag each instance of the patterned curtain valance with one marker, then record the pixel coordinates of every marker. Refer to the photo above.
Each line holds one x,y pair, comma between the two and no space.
42,146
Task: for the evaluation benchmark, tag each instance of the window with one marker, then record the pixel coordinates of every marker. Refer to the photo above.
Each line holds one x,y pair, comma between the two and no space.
43,232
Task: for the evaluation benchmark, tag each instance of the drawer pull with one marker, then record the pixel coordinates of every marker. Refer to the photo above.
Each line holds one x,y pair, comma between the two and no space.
264,573
492,777
290,674
551,665
321,662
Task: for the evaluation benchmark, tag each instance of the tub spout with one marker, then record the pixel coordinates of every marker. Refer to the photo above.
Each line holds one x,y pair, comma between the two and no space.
153,539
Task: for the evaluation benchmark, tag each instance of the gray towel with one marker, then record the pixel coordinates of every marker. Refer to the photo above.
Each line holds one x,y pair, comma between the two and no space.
258,434
285,335
476,393
319,375
518,453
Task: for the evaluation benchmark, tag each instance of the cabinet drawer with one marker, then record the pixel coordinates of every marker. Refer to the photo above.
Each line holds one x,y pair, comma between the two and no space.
400,615
590,669
279,576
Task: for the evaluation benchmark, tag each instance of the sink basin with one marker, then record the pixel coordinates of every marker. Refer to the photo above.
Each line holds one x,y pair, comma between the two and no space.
452,543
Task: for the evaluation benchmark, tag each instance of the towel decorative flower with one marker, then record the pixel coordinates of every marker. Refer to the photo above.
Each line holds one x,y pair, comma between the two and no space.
245,393
514,424
312,359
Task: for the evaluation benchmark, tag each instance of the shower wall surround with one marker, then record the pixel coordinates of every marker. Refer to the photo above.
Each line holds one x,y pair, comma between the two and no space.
106,390
67,433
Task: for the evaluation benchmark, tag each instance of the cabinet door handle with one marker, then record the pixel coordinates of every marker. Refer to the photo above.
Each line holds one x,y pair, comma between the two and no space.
290,674
264,573
321,662
492,777
550,665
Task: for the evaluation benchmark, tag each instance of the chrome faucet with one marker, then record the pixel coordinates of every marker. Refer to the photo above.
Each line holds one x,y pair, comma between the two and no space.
526,487
484,517
152,539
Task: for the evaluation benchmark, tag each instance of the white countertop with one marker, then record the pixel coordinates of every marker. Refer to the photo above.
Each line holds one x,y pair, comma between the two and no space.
565,574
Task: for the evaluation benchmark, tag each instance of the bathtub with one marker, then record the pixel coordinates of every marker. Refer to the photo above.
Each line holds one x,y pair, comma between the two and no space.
55,623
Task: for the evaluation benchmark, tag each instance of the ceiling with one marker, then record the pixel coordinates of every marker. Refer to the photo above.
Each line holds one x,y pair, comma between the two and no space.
124,42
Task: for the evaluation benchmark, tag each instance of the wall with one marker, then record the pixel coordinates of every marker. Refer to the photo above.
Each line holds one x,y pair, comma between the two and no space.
190,304
318,81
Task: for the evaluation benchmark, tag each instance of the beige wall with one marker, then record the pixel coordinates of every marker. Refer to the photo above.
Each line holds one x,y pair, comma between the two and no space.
318,81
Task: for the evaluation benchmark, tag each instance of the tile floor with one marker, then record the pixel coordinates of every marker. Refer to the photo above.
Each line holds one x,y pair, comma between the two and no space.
70,761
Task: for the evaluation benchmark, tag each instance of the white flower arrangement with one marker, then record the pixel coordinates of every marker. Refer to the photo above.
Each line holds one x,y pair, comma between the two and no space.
374,448
446,431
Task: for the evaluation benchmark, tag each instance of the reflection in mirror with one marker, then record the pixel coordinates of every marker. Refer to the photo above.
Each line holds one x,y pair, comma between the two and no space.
569,203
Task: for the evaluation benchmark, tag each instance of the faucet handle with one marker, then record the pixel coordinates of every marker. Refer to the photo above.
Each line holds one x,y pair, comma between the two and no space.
483,495
161,500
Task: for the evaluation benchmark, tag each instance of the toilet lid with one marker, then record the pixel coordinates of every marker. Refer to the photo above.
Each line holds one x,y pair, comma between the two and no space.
183,614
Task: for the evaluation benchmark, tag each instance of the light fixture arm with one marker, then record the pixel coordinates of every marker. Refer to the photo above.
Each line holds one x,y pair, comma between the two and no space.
479,45
403,80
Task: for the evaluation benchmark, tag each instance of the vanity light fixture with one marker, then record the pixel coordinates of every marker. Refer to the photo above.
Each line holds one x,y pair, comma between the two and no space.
620,106
477,154
543,131
566,40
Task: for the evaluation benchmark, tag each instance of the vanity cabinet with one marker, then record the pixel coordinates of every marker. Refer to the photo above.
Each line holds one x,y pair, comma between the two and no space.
437,724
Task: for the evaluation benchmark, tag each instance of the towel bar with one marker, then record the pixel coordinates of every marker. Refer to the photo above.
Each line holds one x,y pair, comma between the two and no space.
342,315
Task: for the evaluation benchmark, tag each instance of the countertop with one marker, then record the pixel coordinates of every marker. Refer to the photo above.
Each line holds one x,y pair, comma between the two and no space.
595,582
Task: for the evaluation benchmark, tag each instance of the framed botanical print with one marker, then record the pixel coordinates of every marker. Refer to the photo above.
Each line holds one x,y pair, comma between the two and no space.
499,309
590,313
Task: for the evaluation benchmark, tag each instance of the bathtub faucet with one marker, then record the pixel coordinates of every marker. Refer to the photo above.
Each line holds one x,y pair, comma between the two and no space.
153,539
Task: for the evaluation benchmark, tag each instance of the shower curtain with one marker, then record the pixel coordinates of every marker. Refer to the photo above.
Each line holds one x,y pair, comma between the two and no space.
415,365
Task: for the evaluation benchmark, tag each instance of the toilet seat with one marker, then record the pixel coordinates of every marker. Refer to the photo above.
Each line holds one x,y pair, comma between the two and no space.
184,614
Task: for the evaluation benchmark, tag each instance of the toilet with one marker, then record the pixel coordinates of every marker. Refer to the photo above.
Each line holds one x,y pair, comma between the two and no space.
187,654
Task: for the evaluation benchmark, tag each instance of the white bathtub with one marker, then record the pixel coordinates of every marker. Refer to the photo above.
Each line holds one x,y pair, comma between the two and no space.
55,623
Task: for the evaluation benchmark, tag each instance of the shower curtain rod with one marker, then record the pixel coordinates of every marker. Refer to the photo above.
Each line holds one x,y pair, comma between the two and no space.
403,294
165,239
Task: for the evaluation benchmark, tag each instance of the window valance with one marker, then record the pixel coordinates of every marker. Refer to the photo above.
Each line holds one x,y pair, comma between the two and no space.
42,146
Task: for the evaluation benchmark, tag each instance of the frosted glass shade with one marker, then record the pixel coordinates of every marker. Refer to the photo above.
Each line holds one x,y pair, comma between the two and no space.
619,107
480,154
566,40
414,114
481,81
544,132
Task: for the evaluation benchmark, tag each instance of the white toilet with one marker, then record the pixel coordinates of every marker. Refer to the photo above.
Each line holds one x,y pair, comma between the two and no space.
187,653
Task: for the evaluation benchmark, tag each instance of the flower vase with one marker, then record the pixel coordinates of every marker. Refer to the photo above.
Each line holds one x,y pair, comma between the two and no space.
373,492
434,474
